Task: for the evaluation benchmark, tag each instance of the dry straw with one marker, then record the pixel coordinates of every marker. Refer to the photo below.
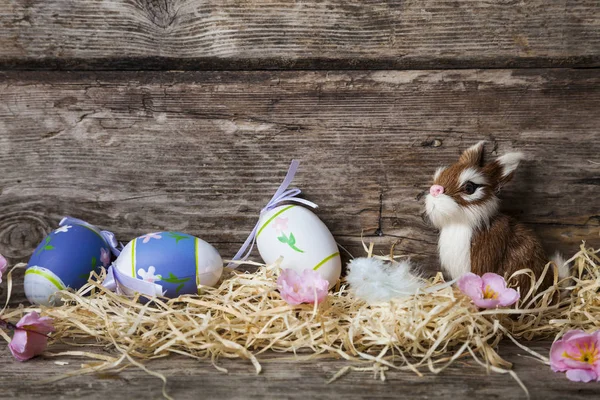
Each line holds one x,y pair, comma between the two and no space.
245,317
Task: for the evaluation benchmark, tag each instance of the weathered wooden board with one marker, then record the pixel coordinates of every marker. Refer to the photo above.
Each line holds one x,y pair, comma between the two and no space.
190,379
203,152
333,34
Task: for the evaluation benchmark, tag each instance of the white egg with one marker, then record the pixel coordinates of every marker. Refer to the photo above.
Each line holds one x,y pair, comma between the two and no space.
301,238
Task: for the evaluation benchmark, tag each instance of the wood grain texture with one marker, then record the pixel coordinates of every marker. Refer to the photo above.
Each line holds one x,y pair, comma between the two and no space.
203,152
277,34
282,379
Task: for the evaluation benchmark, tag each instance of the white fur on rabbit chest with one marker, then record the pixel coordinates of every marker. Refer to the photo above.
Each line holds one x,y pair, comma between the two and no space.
455,249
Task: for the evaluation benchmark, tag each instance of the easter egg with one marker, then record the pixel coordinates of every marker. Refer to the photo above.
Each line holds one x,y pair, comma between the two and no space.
176,261
63,260
301,238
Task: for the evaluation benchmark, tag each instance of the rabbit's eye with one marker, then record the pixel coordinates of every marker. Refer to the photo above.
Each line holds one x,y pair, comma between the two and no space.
470,187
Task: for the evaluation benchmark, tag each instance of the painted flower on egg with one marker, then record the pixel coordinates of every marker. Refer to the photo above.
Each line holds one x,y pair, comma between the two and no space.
280,224
149,236
487,291
577,353
62,229
149,276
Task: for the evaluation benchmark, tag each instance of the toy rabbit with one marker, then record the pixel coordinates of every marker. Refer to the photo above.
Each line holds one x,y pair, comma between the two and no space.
474,236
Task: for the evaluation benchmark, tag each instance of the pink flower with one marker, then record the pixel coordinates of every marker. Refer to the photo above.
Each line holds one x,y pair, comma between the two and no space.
149,236
578,354
104,257
307,287
487,291
3,266
280,224
30,337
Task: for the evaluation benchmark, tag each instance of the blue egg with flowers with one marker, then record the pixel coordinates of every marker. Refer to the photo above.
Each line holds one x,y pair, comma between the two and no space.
176,262
65,259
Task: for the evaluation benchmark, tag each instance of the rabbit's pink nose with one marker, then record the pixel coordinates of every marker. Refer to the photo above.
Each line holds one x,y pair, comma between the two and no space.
436,190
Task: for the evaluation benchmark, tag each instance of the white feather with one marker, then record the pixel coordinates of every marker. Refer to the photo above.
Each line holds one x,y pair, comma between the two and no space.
375,280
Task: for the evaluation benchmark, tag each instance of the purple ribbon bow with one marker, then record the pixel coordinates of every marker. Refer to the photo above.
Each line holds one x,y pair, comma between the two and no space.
282,194
122,284
108,237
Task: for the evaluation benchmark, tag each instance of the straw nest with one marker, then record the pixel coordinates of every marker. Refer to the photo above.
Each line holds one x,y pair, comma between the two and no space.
245,317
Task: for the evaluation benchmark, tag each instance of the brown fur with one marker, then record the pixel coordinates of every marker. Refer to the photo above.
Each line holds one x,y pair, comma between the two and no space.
505,247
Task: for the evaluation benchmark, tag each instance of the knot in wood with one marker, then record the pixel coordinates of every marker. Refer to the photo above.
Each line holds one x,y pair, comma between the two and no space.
162,13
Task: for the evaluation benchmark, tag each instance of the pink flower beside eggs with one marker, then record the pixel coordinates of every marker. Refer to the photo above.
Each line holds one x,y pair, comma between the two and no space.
306,287
3,266
30,338
104,257
578,354
487,291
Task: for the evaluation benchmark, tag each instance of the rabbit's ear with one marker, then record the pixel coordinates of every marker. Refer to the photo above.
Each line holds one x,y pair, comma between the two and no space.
473,156
503,168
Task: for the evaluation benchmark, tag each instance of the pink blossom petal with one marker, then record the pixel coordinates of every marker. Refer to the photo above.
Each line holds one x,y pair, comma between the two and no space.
575,334
289,294
556,356
574,343
104,257
33,321
290,277
3,264
596,337
576,351
317,286
574,364
308,287
596,369
32,345
18,345
494,281
25,345
581,375
471,285
31,339
508,297
486,303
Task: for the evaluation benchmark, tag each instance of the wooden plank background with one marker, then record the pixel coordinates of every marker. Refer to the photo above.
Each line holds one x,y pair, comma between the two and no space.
190,379
332,34
203,152
141,115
